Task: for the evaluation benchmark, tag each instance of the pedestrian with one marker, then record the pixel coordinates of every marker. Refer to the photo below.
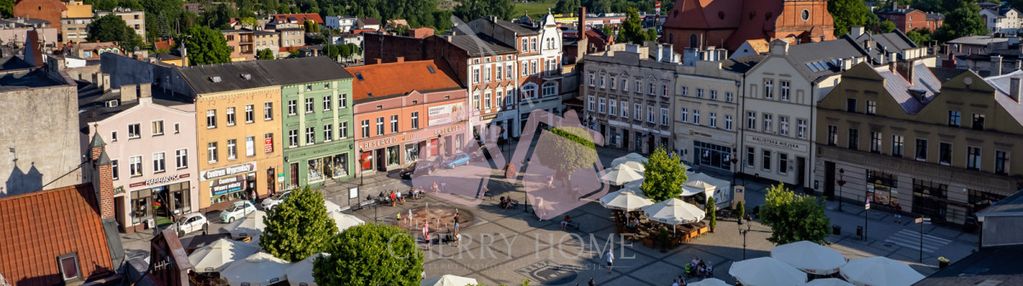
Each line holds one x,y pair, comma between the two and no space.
592,283
393,198
610,259
398,194
674,282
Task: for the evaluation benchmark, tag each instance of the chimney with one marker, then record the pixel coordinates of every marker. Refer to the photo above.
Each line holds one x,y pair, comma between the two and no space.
401,59
102,177
996,65
780,48
582,21
379,60
1014,88
856,31
128,93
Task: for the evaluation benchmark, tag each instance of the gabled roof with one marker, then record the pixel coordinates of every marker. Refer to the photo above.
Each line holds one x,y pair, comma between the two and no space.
989,266
515,28
38,227
302,70
255,74
913,95
814,60
1001,85
399,78
480,45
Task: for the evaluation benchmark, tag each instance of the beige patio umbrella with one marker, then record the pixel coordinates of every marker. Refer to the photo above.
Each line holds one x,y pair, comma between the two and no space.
301,273
251,225
217,255
620,175
879,271
766,271
259,269
627,200
635,165
345,221
629,157
674,212
809,257
449,280
709,282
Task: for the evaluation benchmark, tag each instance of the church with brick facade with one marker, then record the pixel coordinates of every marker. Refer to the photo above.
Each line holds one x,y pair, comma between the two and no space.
729,23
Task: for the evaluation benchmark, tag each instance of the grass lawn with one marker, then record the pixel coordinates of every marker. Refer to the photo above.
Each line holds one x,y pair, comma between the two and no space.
533,8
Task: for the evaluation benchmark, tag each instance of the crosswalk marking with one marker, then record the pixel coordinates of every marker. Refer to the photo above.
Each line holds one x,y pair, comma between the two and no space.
911,239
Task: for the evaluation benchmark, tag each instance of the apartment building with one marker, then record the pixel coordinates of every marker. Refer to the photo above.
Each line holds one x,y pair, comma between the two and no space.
135,19
74,22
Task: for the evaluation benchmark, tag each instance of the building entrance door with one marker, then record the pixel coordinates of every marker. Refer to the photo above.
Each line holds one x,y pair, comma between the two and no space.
293,175
829,179
801,172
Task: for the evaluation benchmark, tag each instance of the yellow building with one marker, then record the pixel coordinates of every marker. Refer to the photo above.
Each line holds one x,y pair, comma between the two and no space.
75,22
238,131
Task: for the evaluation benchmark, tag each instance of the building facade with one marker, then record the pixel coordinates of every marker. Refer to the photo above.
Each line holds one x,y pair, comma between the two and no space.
909,142
136,20
74,22
245,43
908,19
399,122
1002,19
729,23
317,120
707,114
48,10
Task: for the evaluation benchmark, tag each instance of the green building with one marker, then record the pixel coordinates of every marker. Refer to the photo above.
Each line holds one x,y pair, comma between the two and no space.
316,106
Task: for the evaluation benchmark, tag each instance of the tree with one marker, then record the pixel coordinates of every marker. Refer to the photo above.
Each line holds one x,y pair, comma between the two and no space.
298,227
793,217
112,28
6,8
848,14
741,209
936,6
920,36
963,21
664,176
265,54
206,46
632,29
570,149
712,212
886,26
472,9
371,254
219,16
567,6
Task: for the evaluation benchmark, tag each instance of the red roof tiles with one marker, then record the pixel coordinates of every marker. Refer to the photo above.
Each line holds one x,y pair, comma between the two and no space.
298,18
401,77
37,228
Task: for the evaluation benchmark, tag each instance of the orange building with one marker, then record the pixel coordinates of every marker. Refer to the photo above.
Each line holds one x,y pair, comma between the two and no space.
48,10
729,23
404,110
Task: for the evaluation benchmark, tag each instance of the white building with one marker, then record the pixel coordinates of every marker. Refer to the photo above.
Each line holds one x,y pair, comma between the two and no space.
1002,20
344,24
707,96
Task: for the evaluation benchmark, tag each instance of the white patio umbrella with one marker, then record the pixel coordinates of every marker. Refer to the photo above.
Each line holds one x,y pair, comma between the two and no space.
692,188
619,175
766,271
629,157
251,225
674,211
809,257
302,271
634,185
628,200
635,165
331,206
828,282
448,280
345,221
259,269
217,255
879,271
709,282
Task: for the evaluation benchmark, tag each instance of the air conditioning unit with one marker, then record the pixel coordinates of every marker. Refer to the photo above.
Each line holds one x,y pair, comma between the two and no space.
113,103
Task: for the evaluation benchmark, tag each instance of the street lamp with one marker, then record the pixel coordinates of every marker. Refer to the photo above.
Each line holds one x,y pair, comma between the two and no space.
744,232
841,182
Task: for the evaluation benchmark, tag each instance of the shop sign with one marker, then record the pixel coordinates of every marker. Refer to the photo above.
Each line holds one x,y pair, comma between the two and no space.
776,143
159,181
227,185
445,114
410,137
268,144
232,170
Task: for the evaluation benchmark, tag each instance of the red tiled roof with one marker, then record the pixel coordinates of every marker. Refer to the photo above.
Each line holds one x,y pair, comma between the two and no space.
39,227
398,78
298,18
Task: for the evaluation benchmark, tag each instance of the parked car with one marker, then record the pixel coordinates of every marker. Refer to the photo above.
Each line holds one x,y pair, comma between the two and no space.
458,160
190,223
271,202
237,211
408,171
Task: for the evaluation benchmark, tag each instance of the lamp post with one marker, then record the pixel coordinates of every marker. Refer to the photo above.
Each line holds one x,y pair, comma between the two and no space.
841,182
744,232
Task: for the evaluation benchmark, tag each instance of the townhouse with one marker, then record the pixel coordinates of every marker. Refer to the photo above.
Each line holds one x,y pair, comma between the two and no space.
707,110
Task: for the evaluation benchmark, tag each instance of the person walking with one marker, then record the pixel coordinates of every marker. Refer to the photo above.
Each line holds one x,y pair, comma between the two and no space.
610,259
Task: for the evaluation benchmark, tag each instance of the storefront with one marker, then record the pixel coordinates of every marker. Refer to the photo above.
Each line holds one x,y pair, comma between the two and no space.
396,151
161,198
882,188
230,183
712,155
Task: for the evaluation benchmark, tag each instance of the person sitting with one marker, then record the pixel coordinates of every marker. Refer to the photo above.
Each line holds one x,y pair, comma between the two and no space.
632,223
504,203
566,221
708,270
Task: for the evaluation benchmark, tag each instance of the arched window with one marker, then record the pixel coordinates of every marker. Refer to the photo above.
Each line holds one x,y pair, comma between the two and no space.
693,42
550,88
529,91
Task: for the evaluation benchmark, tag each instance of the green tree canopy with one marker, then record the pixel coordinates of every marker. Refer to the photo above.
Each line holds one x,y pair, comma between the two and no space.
265,54
793,217
371,254
848,14
962,21
111,28
219,16
469,10
206,46
567,6
664,176
632,29
6,8
298,227
920,36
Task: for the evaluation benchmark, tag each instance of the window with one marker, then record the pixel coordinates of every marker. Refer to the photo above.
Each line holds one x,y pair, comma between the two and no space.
415,120
249,114
625,109
232,149
801,128
785,93
898,142
268,111
768,122
728,122
250,146
850,105
230,116
783,163
293,138
684,91
978,121
158,128
134,131
499,75
973,158
488,103
871,107
729,96
751,155
476,100
637,113
713,95
475,75
650,114
159,163
177,128
135,166
664,116
365,128
115,169
921,149
309,105
713,120
699,92
328,132
525,44
783,125
612,107
342,101
211,118
832,135
343,130
486,73
590,103
1001,162
650,88
181,158
394,124
69,266
875,141
696,117
211,151
310,135
945,153
625,84
292,107
601,105
767,160
751,120
113,136
854,139
954,118
768,88
380,126
683,115
327,104
525,67
510,72
612,83
664,90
